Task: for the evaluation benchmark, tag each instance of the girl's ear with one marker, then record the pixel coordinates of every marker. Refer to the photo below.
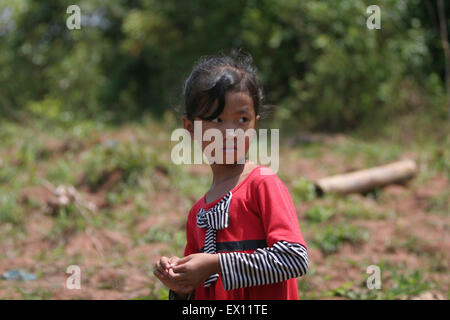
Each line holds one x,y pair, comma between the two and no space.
257,117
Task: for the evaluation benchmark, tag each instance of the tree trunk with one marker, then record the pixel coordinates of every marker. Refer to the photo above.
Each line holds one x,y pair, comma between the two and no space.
366,180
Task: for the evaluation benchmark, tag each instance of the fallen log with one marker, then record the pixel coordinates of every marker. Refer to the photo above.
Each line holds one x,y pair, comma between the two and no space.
362,181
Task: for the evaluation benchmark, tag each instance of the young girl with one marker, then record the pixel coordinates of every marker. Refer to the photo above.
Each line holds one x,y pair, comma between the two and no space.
243,236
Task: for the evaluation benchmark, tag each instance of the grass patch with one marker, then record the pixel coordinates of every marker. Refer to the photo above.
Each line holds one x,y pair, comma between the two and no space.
304,190
439,204
188,184
34,294
400,286
62,172
319,214
156,293
157,234
373,154
114,162
352,209
10,210
330,238
68,219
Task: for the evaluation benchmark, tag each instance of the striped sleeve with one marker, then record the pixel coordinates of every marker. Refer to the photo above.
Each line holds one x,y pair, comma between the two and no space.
282,261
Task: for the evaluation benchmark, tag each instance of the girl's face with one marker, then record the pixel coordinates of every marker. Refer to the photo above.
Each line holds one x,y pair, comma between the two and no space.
238,113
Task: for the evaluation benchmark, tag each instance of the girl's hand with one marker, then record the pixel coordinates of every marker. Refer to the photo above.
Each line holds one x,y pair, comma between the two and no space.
191,271
163,265
163,271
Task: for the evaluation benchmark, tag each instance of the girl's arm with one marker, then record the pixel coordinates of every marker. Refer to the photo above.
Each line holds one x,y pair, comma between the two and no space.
282,261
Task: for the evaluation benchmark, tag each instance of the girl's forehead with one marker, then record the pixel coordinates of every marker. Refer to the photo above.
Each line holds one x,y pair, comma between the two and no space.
239,101
236,102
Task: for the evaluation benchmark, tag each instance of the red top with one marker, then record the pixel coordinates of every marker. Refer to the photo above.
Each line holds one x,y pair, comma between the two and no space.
261,213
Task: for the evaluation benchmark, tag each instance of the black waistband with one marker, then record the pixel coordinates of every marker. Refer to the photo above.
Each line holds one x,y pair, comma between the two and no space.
228,246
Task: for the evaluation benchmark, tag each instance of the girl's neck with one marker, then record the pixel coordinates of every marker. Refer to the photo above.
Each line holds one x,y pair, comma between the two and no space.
224,172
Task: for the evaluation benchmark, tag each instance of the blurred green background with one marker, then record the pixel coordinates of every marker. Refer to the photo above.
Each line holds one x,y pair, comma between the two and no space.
86,116
317,59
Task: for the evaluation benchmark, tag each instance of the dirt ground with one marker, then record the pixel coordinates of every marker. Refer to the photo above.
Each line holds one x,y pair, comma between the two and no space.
116,263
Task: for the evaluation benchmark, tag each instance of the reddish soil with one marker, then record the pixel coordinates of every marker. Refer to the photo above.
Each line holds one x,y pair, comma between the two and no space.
116,266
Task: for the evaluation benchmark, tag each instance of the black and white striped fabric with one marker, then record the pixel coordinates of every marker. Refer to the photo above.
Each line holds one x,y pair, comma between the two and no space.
282,261
214,219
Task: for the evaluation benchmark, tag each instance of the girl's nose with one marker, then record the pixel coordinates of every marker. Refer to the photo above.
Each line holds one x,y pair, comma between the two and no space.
230,133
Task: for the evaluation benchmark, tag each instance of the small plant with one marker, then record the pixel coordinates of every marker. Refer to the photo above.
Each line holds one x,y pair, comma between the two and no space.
67,220
27,154
319,214
407,285
441,160
332,237
61,172
401,286
179,241
35,294
190,185
157,292
439,204
156,234
304,190
107,165
10,210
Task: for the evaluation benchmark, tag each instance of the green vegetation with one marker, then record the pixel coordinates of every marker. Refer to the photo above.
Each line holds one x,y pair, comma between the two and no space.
401,286
330,238
304,190
318,60
10,211
319,214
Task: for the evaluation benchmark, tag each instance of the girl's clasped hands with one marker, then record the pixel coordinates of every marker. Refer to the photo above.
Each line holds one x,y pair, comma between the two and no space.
183,275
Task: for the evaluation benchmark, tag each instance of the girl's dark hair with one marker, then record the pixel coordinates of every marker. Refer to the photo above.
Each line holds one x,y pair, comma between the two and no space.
213,76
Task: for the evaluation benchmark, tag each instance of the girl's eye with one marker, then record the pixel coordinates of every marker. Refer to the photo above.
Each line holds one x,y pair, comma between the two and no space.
243,119
216,120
